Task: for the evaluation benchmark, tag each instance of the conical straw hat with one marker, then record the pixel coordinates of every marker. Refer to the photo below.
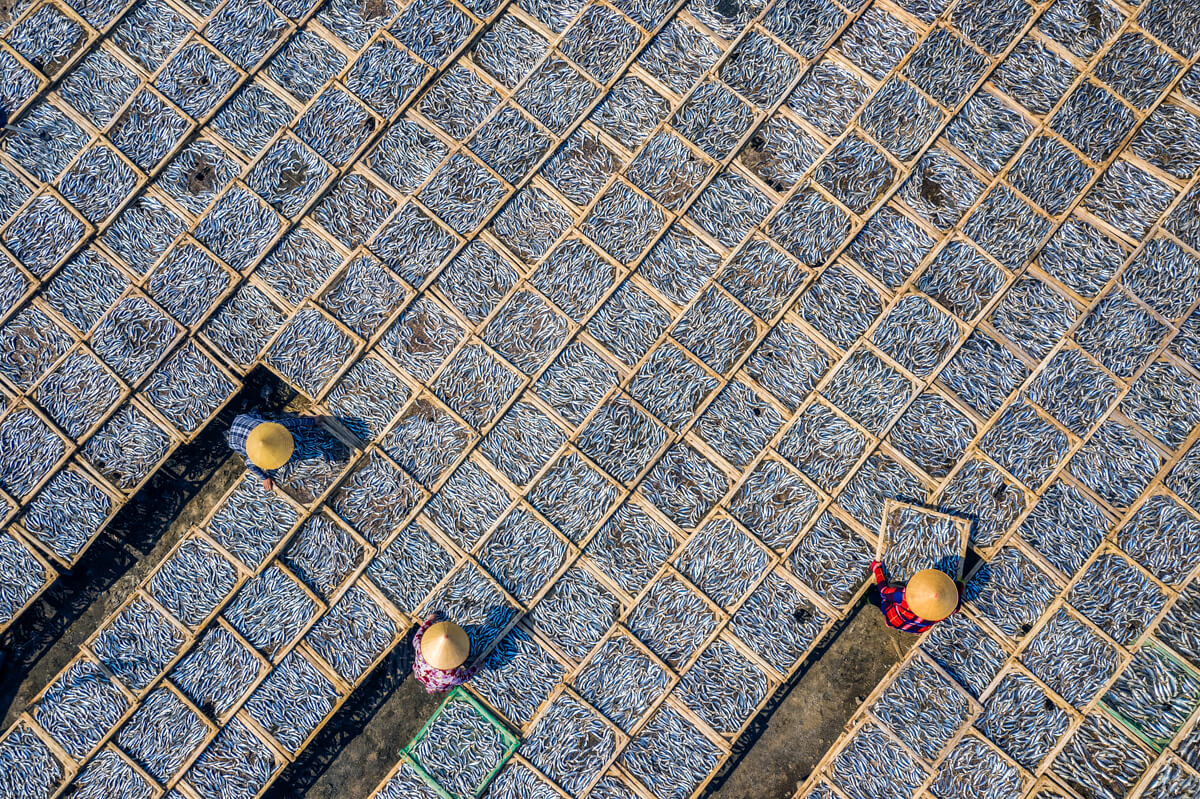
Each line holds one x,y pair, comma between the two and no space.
269,445
931,594
445,645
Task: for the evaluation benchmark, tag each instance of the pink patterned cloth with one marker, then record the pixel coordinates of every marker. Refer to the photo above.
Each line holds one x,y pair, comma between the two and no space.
437,680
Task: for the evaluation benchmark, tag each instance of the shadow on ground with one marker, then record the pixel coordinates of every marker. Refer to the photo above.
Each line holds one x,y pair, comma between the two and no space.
793,732
360,744
175,498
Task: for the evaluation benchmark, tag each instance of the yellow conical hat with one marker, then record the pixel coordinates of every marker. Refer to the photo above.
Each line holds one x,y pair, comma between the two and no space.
269,445
931,594
445,645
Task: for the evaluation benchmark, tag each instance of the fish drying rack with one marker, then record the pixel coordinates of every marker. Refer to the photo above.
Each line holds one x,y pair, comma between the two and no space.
634,313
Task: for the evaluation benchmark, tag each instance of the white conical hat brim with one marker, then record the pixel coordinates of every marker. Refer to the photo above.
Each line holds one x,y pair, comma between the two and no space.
269,445
932,600
445,645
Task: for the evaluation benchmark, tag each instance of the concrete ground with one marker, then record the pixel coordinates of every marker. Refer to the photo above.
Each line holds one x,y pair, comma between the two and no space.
792,735
357,748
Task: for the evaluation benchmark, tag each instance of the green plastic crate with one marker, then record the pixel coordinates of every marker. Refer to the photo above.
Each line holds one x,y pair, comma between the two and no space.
427,758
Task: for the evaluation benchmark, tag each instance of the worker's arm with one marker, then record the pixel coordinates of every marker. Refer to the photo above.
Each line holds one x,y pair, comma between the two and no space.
887,593
877,570
892,593
297,423
421,631
268,482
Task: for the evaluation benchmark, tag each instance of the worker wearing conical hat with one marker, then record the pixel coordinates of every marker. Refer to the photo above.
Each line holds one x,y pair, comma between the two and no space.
928,597
267,445
442,647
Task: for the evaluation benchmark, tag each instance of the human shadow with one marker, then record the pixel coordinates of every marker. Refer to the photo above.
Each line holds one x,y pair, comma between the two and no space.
321,456
314,441
506,650
357,427
484,635
972,555
950,564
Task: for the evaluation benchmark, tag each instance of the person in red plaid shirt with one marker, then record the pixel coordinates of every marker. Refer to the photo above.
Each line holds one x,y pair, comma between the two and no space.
441,648
929,597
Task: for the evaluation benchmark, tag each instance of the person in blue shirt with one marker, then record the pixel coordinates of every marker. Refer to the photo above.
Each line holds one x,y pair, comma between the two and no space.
267,445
